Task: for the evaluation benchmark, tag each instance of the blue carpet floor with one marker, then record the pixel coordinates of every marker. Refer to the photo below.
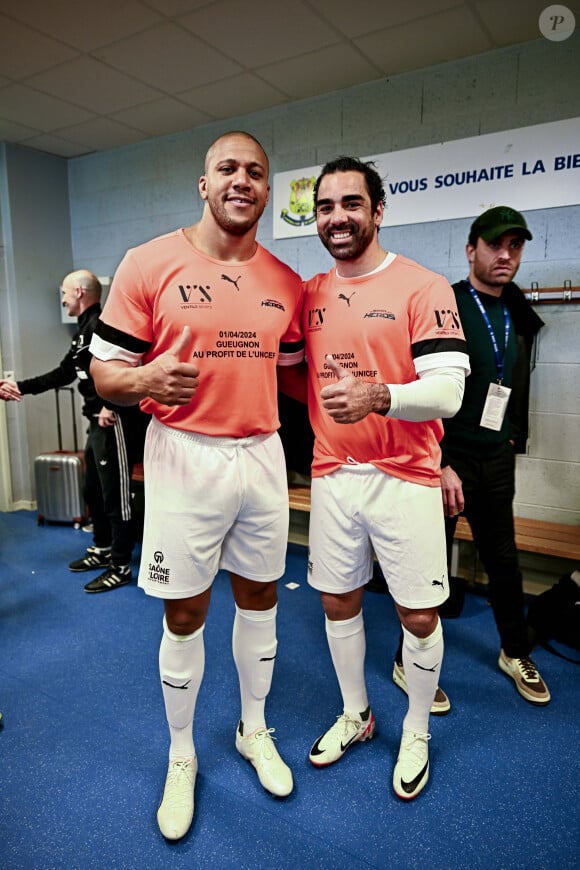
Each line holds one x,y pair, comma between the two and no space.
83,748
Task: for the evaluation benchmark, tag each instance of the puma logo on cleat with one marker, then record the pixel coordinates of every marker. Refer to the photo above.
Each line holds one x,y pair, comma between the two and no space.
421,668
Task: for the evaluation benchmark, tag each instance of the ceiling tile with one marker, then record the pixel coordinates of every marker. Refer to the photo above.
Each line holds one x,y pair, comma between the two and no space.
85,24
453,34
257,32
234,96
87,82
373,15
55,145
11,131
102,133
172,8
322,71
40,111
153,67
41,51
162,116
168,57
516,21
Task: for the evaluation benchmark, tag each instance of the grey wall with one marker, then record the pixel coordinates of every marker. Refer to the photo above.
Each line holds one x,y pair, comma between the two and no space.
36,253
126,196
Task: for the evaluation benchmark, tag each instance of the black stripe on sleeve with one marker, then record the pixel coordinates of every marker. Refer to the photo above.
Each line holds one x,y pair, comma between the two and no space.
121,339
291,347
438,345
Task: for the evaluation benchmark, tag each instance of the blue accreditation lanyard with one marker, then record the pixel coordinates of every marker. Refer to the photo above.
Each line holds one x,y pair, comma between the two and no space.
499,359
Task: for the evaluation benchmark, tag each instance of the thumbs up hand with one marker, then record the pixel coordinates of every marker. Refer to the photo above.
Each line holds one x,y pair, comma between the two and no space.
350,399
335,367
168,378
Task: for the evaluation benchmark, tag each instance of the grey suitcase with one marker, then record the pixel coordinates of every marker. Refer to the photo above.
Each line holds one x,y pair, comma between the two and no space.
59,478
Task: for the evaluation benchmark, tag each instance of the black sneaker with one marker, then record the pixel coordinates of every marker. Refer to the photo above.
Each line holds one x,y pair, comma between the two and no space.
117,575
96,557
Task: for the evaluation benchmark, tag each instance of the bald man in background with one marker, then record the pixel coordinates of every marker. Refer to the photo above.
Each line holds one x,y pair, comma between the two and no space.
115,440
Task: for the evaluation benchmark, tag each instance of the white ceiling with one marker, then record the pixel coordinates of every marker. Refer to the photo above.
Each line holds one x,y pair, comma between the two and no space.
78,76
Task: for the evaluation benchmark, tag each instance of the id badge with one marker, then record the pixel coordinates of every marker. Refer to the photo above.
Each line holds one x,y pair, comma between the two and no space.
495,407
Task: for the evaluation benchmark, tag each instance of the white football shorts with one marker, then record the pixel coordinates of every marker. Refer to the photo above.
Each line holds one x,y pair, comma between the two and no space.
211,503
358,509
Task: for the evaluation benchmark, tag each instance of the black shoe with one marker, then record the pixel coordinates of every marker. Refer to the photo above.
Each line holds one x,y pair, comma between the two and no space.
117,575
96,557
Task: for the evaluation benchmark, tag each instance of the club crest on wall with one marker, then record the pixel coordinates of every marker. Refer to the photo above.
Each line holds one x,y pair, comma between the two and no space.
300,203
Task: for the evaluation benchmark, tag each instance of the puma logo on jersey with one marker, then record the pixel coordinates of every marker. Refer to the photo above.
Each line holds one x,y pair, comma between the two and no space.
233,281
346,298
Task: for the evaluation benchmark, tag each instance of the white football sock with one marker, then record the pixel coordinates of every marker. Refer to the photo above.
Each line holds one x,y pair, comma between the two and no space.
422,657
181,667
347,643
254,647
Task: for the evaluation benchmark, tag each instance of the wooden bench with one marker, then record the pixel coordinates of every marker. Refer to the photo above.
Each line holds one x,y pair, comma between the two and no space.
537,536
532,536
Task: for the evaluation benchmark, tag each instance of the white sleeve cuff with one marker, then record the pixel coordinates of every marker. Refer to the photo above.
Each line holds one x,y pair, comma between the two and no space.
105,351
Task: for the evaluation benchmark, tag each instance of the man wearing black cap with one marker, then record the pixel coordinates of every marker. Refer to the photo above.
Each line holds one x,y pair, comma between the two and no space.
480,442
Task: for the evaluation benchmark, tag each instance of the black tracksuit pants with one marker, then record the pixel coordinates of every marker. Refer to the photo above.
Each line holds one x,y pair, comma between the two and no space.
110,455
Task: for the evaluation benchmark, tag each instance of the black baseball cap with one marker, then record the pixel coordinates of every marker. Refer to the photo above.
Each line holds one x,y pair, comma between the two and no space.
495,221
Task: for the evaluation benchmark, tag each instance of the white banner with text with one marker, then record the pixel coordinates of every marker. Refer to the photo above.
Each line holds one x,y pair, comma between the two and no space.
530,168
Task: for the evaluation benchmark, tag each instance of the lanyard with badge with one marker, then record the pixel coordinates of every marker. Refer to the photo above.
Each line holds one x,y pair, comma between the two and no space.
497,398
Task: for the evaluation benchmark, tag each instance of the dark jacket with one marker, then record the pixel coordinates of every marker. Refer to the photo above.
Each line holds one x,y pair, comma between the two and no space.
527,324
463,434
75,364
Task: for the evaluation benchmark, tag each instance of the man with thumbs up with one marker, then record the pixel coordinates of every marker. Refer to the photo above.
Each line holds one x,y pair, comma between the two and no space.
194,327
386,360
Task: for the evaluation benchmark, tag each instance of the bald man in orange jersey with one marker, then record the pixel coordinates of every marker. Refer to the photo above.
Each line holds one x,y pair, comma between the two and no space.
193,329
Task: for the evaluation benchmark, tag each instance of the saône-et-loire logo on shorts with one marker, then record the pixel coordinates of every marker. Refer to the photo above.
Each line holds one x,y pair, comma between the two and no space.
157,573
300,204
